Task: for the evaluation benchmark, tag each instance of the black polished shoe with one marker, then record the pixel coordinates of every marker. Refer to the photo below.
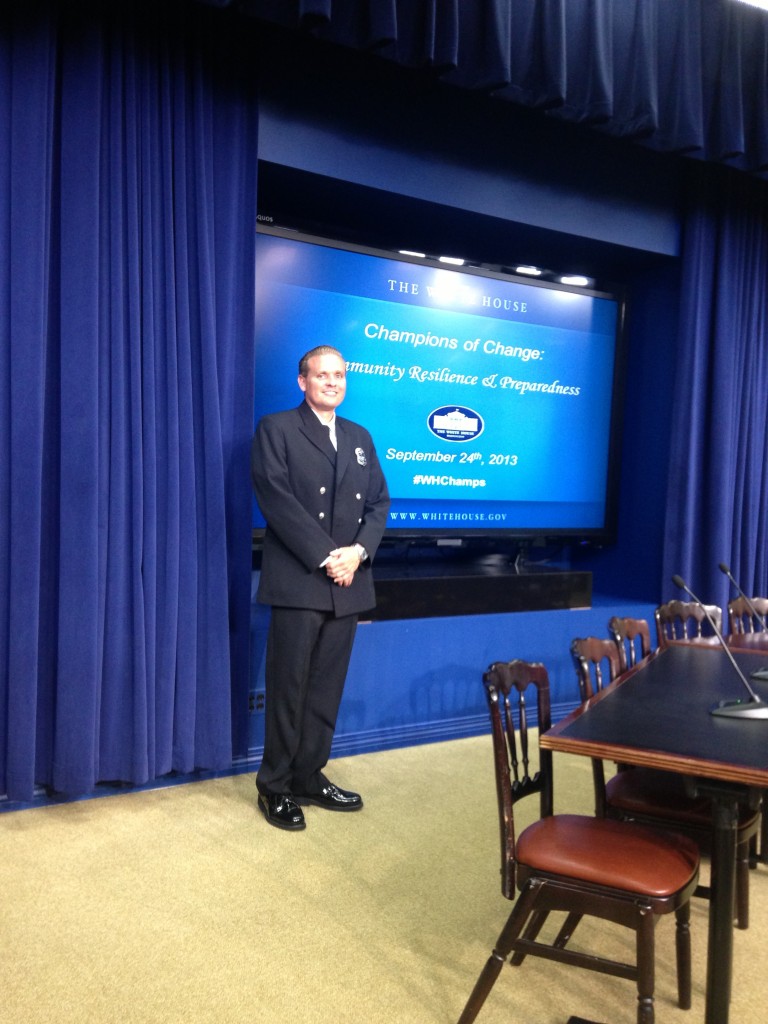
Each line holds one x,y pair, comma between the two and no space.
282,811
332,798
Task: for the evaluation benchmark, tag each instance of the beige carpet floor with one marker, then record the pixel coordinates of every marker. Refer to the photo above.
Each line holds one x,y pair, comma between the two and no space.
182,906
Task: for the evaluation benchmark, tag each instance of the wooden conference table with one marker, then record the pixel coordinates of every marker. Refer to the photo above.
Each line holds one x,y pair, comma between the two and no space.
657,715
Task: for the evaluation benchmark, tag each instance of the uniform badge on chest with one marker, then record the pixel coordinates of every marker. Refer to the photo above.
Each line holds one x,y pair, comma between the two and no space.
361,459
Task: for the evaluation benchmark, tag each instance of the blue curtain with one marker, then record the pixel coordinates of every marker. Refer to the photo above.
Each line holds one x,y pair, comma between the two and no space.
127,206
717,504
688,76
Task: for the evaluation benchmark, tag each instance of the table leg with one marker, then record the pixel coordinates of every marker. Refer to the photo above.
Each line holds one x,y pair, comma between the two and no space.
723,883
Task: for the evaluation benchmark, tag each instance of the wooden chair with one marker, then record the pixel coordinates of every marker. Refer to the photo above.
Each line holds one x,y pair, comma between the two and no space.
740,617
651,796
632,637
685,620
578,865
598,662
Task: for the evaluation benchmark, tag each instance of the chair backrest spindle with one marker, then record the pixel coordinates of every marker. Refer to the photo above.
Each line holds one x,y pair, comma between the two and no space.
511,738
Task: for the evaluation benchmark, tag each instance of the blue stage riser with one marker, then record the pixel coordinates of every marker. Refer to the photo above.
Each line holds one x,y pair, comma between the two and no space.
420,680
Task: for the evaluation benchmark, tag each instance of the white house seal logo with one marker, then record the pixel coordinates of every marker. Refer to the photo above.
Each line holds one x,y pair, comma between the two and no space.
361,459
455,423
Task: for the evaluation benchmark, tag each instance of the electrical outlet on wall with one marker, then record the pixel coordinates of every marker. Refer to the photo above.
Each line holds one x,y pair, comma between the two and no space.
256,702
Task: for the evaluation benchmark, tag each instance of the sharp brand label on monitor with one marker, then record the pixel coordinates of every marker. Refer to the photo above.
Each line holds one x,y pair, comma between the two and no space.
521,375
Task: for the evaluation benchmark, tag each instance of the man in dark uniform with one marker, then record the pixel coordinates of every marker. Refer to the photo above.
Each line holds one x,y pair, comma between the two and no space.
322,493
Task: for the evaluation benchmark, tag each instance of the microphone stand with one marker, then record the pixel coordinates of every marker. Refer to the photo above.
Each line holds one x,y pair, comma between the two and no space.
739,708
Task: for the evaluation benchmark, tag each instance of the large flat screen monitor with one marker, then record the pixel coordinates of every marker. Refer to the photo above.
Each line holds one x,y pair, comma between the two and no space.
492,400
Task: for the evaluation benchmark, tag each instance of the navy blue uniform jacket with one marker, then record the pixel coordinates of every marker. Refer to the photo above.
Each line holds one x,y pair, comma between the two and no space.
311,506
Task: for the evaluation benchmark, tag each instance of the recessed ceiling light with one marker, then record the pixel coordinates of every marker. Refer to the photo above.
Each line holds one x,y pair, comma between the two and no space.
531,271
577,280
410,252
451,259
762,4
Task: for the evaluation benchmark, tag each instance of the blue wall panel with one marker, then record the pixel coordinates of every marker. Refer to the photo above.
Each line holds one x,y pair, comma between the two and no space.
419,680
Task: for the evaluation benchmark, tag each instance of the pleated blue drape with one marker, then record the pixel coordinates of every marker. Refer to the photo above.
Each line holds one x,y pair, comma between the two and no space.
687,76
127,209
717,504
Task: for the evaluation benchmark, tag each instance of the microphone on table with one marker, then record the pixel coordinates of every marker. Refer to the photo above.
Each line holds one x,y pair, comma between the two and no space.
754,707
724,568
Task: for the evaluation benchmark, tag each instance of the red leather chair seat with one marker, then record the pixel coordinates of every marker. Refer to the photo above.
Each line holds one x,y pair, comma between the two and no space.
613,854
659,794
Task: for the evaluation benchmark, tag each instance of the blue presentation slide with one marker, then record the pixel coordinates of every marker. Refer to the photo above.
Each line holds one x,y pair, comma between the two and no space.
489,401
